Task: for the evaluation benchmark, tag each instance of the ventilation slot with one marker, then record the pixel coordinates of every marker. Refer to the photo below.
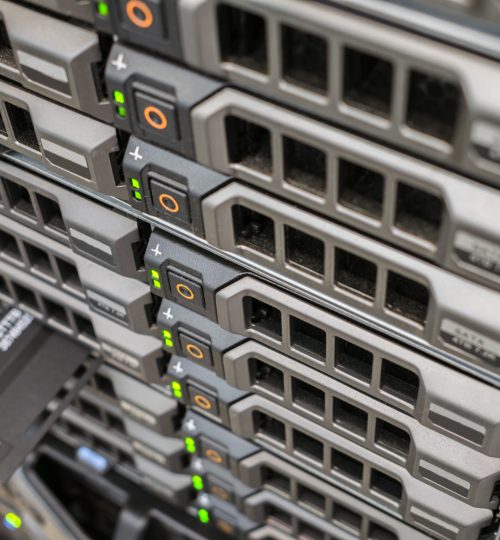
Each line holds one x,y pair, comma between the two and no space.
305,59
276,480
367,82
360,189
308,446
307,338
39,261
407,298
347,466
8,246
266,376
355,274
69,275
253,230
346,518
308,397
350,418
19,198
25,297
22,126
104,385
386,486
56,313
262,317
353,360
399,382
311,498
242,38
6,52
305,166
51,213
84,327
418,213
268,426
248,144
304,252
392,438
433,105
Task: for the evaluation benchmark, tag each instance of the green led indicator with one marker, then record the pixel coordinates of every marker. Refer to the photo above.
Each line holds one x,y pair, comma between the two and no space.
197,482
155,275
156,284
190,445
103,9
167,338
135,183
119,97
176,389
138,195
12,521
121,111
203,516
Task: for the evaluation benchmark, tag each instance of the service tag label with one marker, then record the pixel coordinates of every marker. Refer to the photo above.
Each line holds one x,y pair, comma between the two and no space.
470,341
477,252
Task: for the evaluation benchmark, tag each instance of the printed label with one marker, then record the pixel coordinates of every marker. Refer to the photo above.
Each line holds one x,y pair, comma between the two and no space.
121,357
12,325
470,341
107,307
478,252
485,138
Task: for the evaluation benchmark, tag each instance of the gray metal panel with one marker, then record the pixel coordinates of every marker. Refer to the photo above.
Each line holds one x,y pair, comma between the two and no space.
253,469
260,507
443,305
79,9
461,472
54,58
468,208
110,238
124,300
138,354
404,51
464,23
51,140
445,517
461,408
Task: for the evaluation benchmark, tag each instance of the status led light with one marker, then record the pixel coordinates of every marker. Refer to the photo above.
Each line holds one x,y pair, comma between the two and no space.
154,274
190,445
176,389
167,338
197,481
135,183
121,111
203,516
12,521
119,97
156,284
103,9
138,195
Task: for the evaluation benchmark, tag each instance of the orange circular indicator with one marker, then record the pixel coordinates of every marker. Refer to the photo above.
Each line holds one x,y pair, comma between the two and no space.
214,456
195,351
169,203
184,291
202,402
225,527
139,14
155,117
220,492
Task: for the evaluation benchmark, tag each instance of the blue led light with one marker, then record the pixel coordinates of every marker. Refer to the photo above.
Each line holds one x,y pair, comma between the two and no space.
92,459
